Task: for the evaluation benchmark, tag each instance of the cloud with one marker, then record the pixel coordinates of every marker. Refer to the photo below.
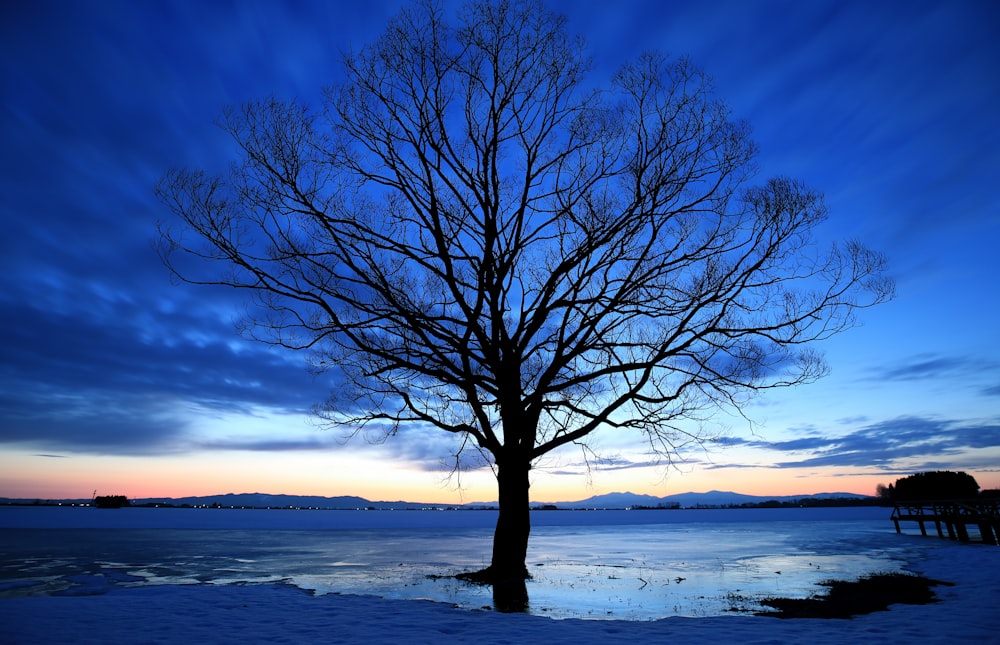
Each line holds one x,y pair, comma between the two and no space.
949,369
904,443
419,447
855,420
600,464
267,445
711,466
124,381
101,354
432,450
927,367
90,421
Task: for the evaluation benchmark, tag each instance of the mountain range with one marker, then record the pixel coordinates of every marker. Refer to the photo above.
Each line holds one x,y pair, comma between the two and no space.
711,499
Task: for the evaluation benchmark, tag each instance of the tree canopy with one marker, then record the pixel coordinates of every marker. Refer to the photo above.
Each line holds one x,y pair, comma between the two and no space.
473,234
936,485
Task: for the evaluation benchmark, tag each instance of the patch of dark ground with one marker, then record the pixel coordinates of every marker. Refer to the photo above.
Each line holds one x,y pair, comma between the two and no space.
846,599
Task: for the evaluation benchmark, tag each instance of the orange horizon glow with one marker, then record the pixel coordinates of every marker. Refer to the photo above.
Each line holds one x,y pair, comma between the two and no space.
325,475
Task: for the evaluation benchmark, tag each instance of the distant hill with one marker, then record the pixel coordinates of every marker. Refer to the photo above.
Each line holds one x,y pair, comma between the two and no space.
261,500
714,499
711,499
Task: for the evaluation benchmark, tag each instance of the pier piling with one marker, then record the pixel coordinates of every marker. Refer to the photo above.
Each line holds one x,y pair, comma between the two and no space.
956,515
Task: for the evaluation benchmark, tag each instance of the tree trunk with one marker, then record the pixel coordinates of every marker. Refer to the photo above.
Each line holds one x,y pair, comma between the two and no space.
510,540
508,571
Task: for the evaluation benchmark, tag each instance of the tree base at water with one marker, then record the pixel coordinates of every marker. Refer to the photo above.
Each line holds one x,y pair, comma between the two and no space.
490,575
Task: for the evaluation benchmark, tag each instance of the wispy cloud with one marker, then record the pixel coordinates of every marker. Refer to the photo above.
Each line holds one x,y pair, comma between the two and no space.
266,445
890,444
932,366
601,464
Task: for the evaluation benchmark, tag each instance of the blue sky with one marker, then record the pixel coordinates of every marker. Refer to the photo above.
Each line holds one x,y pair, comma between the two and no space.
113,377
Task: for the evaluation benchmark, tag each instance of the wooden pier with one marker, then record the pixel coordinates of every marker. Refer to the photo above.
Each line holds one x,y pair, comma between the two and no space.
956,516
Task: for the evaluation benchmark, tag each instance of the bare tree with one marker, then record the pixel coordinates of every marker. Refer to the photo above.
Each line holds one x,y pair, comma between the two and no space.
475,238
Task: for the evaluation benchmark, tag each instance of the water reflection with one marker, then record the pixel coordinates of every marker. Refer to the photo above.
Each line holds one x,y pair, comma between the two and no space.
511,596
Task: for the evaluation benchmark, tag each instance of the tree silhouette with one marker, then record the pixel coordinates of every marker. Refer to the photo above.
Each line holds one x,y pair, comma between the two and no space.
935,485
473,237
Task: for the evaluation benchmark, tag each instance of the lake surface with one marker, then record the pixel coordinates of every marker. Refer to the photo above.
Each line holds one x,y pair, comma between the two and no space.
635,565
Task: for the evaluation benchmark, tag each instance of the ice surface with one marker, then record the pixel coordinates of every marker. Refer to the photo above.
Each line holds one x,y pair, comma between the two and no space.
635,565
118,608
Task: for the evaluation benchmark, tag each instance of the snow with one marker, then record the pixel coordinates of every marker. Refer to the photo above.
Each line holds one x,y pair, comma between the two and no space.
281,613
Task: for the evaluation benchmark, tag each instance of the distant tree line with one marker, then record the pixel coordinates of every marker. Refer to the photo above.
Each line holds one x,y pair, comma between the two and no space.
110,501
811,502
933,486
805,502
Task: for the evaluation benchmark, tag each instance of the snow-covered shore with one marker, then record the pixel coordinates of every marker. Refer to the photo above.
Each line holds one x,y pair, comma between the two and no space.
275,613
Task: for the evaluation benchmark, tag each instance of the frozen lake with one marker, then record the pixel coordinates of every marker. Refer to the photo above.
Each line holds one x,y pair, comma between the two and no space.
634,565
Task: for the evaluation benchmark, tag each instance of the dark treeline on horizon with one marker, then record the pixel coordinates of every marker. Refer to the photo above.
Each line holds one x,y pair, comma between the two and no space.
806,502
